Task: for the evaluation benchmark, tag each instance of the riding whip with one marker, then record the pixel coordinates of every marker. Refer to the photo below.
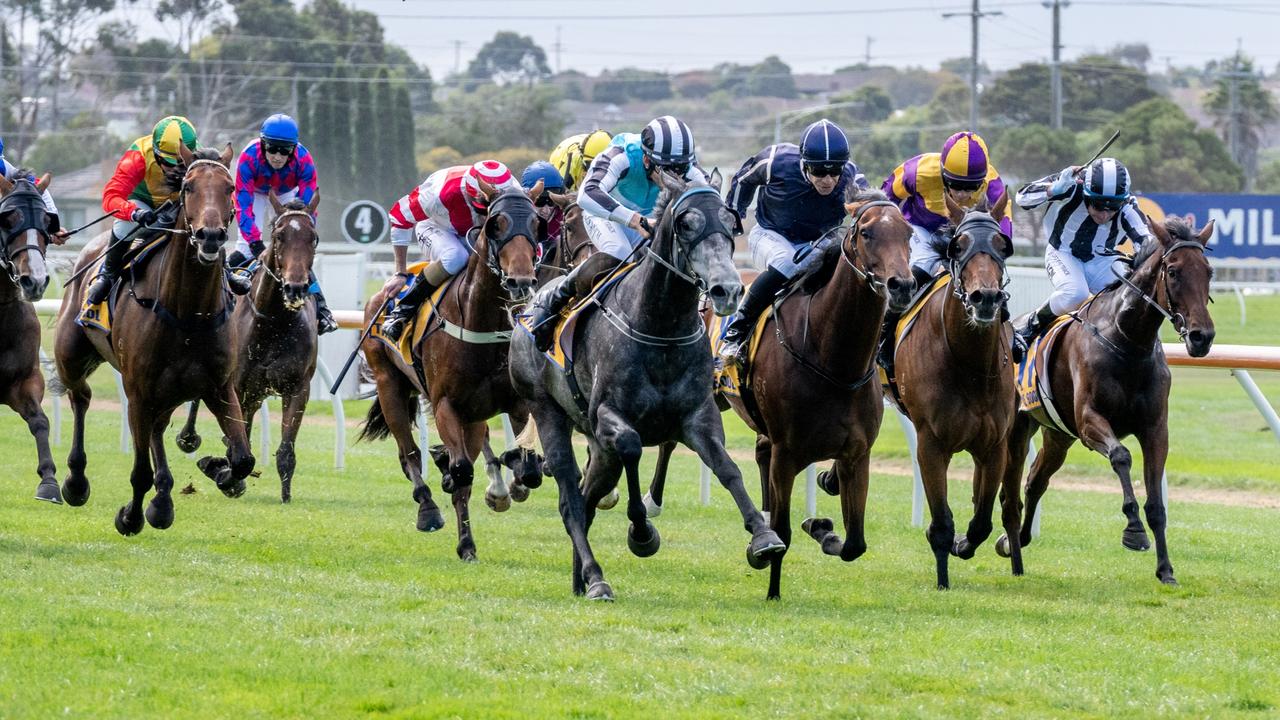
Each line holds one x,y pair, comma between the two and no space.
1102,149
367,329
88,224
110,245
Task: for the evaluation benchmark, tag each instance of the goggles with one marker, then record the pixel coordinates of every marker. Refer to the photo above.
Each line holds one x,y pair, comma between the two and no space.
962,185
1106,204
825,169
275,147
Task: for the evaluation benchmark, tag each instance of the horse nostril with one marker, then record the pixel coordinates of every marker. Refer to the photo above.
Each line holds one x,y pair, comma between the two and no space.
718,292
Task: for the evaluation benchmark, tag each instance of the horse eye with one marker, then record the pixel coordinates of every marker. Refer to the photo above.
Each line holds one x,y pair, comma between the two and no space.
866,234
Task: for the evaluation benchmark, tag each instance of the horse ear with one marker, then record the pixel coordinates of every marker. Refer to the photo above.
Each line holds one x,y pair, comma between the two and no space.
486,189
315,202
715,179
562,200
6,187
536,191
1001,208
185,154
44,181
1205,233
275,202
954,211
673,184
1158,229
225,157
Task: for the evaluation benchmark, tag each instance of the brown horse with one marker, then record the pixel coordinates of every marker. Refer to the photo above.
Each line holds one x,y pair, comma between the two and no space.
564,252
24,233
1110,379
953,369
275,337
464,365
169,340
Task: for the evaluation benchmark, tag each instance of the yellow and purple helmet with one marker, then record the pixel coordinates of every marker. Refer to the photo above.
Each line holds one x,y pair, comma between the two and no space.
171,133
964,160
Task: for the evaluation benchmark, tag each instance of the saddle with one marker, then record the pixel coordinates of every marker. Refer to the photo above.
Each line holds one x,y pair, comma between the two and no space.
904,326
99,316
419,324
1035,394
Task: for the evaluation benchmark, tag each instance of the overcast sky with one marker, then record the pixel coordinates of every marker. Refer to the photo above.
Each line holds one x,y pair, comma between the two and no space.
816,35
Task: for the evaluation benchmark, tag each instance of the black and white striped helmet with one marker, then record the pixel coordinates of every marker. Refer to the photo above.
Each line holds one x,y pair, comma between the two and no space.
1106,182
667,141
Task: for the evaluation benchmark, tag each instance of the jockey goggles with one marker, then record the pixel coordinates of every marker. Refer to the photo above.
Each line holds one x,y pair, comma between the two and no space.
1108,204
961,185
824,169
274,147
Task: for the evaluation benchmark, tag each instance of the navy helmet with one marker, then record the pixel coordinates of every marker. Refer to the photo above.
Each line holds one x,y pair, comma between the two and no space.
824,142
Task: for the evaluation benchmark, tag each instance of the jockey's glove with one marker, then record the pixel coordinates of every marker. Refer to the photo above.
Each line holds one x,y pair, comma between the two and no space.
257,247
1065,182
143,216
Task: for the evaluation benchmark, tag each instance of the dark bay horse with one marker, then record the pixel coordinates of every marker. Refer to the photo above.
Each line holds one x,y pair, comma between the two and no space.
275,337
956,381
1109,379
565,251
169,340
643,364
24,234
464,366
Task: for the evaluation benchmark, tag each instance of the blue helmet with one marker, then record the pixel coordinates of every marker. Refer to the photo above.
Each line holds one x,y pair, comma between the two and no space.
280,127
824,142
544,171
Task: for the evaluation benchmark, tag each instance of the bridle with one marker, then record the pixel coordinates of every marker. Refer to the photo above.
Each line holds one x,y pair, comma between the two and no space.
1175,318
521,210
980,244
868,276
713,225
277,229
182,199
29,204
560,250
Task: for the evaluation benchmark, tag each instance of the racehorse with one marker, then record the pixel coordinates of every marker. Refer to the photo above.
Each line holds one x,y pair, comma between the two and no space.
24,232
953,369
1109,376
812,394
463,360
641,375
571,247
275,337
170,341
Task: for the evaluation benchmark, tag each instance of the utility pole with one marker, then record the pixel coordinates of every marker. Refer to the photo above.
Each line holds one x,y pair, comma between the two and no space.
1055,70
457,56
1235,141
557,49
974,16
868,57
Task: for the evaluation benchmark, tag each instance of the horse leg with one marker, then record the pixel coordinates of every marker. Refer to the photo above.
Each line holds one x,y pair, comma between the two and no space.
1010,498
160,510
600,479
457,439
497,496
1155,450
225,405
1097,435
395,397
764,457
703,433
553,426
608,500
1053,452
854,474
782,475
188,439
620,443
988,472
142,478
75,488
25,398
295,407
525,462
653,498
942,530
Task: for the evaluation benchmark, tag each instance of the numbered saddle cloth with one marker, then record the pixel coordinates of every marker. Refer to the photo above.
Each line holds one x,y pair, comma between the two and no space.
99,316
419,324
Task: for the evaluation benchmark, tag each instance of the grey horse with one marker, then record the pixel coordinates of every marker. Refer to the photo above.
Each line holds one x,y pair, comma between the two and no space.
641,376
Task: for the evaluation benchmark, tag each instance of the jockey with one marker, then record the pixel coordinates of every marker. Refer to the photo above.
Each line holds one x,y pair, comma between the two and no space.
440,211
619,190
801,192
57,234
143,191
574,154
1088,213
920,186
550,216
275,162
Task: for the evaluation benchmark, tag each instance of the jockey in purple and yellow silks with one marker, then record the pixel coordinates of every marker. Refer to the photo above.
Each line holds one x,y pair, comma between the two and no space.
274,163
963,170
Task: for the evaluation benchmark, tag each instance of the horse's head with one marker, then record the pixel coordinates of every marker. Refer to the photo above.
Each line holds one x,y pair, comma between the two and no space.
1185,290
701,225
878,246
24,229
293,248
207,205
509,236
976,254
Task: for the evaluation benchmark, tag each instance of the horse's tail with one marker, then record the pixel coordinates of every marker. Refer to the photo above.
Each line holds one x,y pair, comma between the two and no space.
53,381
375,423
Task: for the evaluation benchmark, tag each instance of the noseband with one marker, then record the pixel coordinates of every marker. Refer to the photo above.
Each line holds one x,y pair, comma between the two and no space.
1175,318
980,244
277,229
29,204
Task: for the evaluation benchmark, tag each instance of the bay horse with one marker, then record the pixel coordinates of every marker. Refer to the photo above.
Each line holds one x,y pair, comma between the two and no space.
956,383
464,366
170,341
24,235
570,247
642,368
275,337
1109,378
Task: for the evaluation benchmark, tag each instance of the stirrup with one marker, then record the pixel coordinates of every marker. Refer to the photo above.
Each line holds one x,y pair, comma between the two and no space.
325,322
393,327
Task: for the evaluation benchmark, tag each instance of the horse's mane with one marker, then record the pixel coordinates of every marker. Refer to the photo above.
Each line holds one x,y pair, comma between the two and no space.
206,153
294,204
855,194
1149,248
1178,228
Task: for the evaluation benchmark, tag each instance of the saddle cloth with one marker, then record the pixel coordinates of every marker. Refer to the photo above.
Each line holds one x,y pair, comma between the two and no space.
730,379
420,322
561,352
1035,395
99,316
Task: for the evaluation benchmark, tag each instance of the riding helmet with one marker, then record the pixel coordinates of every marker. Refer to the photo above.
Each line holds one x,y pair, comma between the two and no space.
824,142
964,158
492,172
544,171
667,141
171,133
281,128
594,144
1106,181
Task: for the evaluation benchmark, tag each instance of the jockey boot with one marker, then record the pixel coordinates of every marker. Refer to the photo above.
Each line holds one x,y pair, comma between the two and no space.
429,280
239,283
884,350
109,271
922,276
1035,323
324,317
763,290
578,283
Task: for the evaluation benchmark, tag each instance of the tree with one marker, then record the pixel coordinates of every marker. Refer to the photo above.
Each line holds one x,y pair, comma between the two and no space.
1166,152
1033,151
509,57
874,104
1255,108
191,17
631,84
1136,55
492,118
771,78
83,140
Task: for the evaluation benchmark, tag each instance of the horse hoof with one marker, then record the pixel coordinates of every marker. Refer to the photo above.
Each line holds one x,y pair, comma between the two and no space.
231,488
160,513
818,528
533,481
75,493
519,491
608,502
124,525
47,491
651,508
1136,540
467,555
498,503
829,483
763,548
212,466
1168,580
962,548
1002,546
757,562
646,548
600,590
430,519
188,443
446,483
